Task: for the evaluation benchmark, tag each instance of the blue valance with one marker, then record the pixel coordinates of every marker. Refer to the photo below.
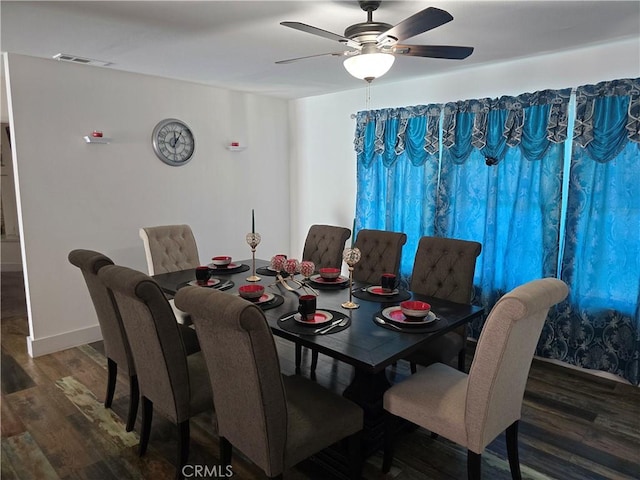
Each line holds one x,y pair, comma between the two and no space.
390,132
488,124
607,117
531,121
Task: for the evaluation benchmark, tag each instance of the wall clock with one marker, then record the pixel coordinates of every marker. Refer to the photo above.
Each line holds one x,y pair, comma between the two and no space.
173,142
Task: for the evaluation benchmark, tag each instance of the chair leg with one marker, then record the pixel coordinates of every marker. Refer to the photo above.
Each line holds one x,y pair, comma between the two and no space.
134,397
355,455
473,465
314,364
183,445
147,415
298,357
389,441
462,358
413,367
112,375
512,450
226,450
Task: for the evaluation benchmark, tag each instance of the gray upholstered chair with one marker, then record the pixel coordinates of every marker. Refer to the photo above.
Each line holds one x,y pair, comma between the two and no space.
473,409
275,421
324,246
116,345
380,253
444,268
169,248
172,383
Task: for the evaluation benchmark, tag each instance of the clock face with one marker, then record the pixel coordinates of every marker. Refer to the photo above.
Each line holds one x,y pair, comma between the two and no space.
173,142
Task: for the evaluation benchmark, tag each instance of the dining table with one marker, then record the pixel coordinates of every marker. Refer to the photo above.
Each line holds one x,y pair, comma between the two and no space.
362,342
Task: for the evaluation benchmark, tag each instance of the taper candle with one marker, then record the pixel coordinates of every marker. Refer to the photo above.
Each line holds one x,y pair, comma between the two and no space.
353,233
253,221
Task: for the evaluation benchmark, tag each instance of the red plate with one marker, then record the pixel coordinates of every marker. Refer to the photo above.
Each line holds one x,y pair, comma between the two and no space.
265,298
395,315
318,279
231,266
212,282
377,290
321,317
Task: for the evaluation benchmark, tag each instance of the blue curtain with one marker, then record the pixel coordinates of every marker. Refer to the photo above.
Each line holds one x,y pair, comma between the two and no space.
398,173
501,185
500,172
598,326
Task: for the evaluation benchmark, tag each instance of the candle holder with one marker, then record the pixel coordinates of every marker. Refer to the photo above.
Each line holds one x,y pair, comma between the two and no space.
306,270
253,239
351,256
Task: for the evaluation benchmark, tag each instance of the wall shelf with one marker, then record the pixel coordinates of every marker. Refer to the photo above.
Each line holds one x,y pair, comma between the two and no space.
90,139
236,148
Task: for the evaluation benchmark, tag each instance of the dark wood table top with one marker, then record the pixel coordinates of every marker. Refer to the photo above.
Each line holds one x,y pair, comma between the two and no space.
365,345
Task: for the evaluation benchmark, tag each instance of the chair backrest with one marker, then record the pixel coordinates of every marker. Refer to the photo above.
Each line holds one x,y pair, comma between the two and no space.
169,248
324,245
498,374
116,345
444,268
243,365
156,343
380,253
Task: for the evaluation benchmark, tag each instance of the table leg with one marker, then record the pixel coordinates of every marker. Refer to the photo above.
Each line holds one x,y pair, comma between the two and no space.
367,390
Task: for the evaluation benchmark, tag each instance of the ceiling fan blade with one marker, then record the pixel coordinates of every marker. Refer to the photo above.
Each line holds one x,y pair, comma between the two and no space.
420,22
433,51
303,27
291,60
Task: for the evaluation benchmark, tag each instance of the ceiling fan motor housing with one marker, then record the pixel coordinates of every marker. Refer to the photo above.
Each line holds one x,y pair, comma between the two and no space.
366,31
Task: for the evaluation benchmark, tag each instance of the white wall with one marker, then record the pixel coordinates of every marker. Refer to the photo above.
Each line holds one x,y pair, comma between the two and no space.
323,129
78,195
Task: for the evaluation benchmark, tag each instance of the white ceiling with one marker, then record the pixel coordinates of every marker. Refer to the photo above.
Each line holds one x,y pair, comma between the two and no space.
234,44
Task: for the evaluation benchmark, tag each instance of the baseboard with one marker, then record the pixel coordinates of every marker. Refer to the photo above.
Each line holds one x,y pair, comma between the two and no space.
43,346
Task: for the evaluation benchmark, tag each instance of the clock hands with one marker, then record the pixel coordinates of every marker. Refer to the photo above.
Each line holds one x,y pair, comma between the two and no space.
173,143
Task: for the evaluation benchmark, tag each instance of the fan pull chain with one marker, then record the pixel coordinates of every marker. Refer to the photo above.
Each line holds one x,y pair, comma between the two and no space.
367,98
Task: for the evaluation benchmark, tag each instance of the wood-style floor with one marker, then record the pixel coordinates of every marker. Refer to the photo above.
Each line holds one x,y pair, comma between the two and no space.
54,425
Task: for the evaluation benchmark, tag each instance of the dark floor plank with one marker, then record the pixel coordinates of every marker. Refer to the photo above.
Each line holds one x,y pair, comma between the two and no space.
14,378
61,443
25,458
10,423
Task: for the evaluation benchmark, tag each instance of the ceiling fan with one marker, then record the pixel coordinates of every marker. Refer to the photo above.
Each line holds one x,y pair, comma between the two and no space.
374,44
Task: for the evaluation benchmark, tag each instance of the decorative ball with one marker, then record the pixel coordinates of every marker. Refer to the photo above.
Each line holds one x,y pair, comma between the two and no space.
277,262
291,266
351,256
307,268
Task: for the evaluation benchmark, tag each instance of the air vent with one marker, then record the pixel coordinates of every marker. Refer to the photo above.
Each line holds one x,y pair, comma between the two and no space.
65,57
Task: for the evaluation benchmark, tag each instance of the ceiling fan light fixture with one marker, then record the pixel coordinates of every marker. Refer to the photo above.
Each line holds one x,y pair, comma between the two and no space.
368,66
